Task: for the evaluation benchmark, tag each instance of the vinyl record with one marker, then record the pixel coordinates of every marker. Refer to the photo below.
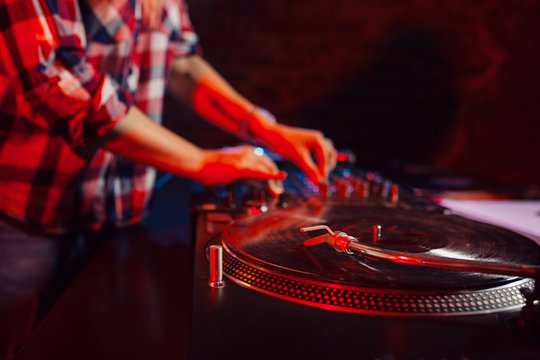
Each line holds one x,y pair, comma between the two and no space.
270,248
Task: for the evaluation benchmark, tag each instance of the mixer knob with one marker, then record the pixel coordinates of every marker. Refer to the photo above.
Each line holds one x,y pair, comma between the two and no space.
229,199
386,187
259,195
324,190
362,188
341,186
377,188
395,194
358,186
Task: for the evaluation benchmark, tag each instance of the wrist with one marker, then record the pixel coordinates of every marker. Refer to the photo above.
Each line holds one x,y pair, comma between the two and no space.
204,157
257,125
190,166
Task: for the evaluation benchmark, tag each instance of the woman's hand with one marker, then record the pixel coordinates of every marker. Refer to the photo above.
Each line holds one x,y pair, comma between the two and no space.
298,145
227,165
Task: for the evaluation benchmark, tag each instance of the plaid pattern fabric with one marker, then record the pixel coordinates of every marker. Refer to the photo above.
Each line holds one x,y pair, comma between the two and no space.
69,70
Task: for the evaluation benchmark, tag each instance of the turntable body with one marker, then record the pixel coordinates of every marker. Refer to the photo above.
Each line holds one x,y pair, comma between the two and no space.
285,299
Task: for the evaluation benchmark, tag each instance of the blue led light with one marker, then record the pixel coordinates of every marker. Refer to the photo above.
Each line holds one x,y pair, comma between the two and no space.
259,151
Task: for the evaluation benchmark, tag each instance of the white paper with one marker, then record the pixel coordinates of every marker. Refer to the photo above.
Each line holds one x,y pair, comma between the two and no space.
521,216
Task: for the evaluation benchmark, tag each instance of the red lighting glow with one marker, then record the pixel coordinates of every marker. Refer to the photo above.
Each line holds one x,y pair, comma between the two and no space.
254,210
342,157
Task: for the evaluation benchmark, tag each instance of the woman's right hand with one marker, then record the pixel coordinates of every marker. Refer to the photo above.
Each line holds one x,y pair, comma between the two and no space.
230,164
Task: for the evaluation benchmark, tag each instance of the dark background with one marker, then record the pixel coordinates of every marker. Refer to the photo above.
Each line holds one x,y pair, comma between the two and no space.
452,84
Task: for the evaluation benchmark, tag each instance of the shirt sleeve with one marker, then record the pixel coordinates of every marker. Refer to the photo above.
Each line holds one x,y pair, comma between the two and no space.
4,77
58,89
185,37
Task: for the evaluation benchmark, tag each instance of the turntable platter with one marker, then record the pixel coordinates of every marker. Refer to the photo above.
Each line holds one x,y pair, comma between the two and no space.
266,252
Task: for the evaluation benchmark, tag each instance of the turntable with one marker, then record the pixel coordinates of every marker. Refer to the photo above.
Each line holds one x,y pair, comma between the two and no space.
268,253
369,277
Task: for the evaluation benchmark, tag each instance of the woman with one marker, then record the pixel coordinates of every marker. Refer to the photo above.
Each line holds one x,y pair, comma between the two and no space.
81,90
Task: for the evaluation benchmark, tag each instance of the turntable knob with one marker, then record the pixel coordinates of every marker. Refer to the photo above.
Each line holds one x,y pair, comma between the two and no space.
377,188
386,189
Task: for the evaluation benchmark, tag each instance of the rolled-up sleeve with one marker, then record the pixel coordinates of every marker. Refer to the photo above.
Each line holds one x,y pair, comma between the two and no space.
59,90
185,37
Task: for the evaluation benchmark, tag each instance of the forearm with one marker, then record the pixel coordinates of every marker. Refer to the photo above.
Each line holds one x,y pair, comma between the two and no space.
196,83
188,71
139,139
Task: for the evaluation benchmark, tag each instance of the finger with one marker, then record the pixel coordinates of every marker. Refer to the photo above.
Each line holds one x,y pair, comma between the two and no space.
257,160
267,166
332,156
319,150
275,187
267,163
309,168
263,174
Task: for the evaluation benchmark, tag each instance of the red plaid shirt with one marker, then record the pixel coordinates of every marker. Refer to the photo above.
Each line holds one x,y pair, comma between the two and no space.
69,70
